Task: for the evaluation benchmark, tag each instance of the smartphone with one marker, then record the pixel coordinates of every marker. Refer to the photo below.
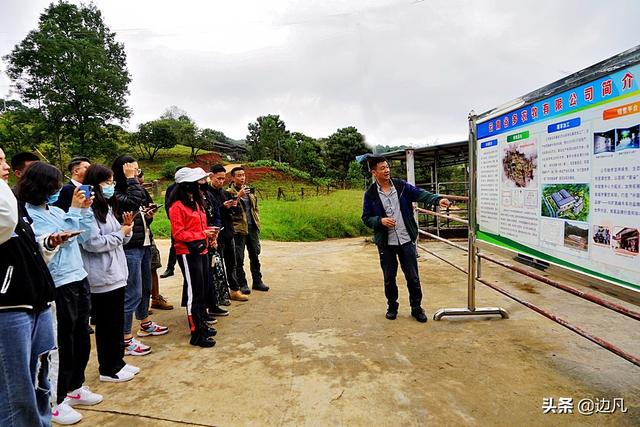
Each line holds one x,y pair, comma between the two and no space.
87,190
73,233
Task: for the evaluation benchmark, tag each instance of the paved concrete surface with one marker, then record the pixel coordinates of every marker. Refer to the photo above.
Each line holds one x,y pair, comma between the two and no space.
317,350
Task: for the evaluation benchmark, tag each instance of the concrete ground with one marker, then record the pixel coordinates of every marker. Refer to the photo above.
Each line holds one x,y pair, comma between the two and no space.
317,350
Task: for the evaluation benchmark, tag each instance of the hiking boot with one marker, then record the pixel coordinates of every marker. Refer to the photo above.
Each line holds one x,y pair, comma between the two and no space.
65,414
392,311
201,341
238,296
160,303
152,329
83,396
260,287
166,273
419,314
245,289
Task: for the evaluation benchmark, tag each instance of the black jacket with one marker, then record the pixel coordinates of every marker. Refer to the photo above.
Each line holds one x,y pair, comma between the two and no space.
66,194
220,196
25,282
130,199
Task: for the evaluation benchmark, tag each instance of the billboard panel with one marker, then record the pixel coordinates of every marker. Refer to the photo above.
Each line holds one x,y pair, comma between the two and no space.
559,178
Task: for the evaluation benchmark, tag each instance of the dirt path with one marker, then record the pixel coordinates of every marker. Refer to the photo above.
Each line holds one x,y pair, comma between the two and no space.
317,350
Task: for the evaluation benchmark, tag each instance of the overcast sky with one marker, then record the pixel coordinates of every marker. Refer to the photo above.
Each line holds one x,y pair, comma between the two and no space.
401,71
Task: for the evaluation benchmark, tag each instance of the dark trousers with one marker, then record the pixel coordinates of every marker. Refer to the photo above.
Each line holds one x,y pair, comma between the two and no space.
195,271
74,345
389,257
252,242
171,263
228,251
108,312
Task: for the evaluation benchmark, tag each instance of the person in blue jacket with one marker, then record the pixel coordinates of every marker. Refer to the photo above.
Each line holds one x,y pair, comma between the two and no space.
388,210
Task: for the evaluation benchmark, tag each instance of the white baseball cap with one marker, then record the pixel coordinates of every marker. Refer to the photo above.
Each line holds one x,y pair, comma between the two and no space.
190,175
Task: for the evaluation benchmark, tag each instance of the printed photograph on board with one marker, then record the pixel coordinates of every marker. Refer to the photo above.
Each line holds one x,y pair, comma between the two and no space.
576,236
625,240
566,201
601,235
519,165
628,138
604,142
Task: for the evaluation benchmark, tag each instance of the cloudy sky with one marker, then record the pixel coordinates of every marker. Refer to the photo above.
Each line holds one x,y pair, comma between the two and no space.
401,71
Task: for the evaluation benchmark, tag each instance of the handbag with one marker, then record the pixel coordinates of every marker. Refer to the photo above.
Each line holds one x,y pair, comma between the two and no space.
196,247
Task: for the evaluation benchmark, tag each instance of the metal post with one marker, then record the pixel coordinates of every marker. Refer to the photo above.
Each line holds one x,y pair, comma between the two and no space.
437,189
411,174
472,270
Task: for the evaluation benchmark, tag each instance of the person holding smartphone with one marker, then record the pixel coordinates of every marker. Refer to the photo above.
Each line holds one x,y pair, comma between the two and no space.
104,259
131,197
39,188
190,236
246,225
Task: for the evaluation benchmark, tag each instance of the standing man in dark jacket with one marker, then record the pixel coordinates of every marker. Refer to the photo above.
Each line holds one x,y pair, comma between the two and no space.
246,226
25,317
77,168
388,209
228,204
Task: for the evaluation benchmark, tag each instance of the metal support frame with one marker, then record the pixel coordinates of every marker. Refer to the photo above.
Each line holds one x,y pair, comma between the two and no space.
473,270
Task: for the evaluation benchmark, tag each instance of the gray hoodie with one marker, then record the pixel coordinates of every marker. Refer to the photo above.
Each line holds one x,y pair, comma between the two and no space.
103,255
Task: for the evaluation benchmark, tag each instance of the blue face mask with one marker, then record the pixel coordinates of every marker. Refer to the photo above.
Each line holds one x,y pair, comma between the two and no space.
108,191
53,198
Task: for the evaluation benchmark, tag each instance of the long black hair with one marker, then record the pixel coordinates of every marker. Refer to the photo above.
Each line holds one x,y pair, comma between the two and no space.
38,181
118,173
189,194
94,176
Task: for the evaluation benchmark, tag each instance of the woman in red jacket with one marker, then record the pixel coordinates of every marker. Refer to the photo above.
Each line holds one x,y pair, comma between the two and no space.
190,234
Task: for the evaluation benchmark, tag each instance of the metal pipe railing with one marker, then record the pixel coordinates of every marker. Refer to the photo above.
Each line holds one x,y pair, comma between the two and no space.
451,217
595,339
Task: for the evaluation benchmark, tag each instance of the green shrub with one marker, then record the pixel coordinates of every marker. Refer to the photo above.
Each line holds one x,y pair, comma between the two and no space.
169,169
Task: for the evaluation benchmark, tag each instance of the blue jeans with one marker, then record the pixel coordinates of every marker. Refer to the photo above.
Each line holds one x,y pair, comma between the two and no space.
25,342
138,290
407,255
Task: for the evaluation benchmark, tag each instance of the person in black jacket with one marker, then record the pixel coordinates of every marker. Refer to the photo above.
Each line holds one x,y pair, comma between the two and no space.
77,168
226,245
26,291
132,197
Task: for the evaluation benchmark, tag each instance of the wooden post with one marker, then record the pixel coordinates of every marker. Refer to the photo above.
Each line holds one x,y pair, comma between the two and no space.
155,188
302,192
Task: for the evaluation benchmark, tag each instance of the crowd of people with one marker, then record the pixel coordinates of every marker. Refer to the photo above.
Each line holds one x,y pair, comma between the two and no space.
83,254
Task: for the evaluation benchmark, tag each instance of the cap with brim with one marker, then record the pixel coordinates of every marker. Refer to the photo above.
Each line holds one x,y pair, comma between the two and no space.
190,175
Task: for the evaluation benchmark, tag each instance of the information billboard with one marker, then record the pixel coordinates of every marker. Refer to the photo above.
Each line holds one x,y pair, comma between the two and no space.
558,178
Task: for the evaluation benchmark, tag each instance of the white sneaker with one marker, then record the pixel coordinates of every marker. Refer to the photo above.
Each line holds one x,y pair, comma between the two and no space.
65,414
121,376
83,396
133,369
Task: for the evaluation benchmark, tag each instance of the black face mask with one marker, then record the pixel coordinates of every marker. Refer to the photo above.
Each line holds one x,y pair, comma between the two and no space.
203,187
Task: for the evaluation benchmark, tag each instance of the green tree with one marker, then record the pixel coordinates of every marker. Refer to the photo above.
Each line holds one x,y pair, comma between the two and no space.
267,137
341,149
154,136
72,69
305,153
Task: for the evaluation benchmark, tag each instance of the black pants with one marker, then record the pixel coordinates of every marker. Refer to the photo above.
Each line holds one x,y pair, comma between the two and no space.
74,345
228,251
252,243
195,271
171,263
406,254
108,312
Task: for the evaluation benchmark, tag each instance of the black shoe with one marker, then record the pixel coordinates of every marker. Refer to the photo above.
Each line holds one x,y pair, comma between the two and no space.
218,311
208,331
166,273
225,302
245,289
90,330
391,315
260,287
419,314
202,341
